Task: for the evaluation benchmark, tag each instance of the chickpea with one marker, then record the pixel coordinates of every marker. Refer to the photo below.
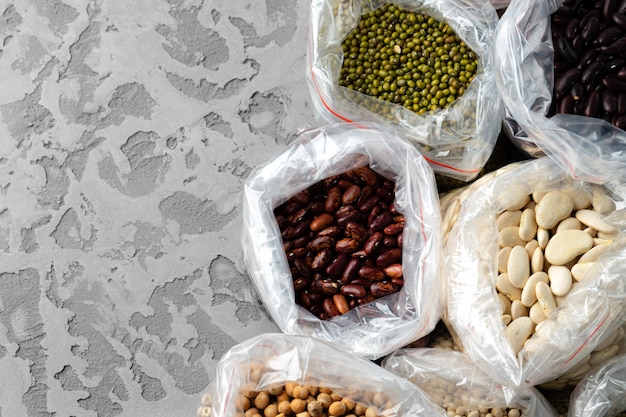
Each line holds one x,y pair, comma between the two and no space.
325,399
262,400
337,408
284,407
271,410
250,412
315,408
298,405
300,391
243,402
276,391
371,412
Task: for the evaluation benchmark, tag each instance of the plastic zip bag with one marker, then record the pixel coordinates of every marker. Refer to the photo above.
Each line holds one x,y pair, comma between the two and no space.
452,380
270,360
456,141
377,328
589,148
602,393
591,311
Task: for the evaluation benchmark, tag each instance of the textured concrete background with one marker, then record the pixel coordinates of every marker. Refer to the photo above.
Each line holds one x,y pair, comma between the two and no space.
127,129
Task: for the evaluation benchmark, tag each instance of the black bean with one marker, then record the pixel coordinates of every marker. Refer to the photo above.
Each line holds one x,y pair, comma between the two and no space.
565,49
577,91
566,105
608,101
591,71
621,103
617,47
592,104
571,29
619,19
608,35
614,83
565,81
590,29
610,7
620,121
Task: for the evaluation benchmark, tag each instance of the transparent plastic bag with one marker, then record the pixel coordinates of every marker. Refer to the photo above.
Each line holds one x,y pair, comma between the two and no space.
589,148
452,380
592,310
602,393
270,360
457,140
376,328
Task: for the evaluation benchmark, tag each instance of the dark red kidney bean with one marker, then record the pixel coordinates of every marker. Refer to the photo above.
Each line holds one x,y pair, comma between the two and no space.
592,104
351,195
617,47
368,204
351,270
586,58
577,91
287,233
322,259
302,197
388,257
318,207
565,50
565,81
367,175
316,297
337,266
394,271
305,298
365,283
620,121
374,213
331,231
560,66
566,105
400,241
302,228
302,267
371,273
321,242
395,229
353,290
621,103
390,241
571,29
341,303
373,242
615,64
352,215
579,44
382,289
619,19
329,287
345,184
296,253
299,215
329,308
366,193
356,231
579,107
593,69
608,101
614,83
398,281
584,20
608,35
301,283
347,245
333,200
590,28
321,222
353,302
301,242
610,7
288,245
383,219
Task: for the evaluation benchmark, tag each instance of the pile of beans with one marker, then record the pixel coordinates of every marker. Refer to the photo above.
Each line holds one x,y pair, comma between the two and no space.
548,241
343,240
590,51
406,58
297,400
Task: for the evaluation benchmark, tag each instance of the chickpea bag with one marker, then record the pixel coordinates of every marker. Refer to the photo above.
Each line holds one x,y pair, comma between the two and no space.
458,385
270,371
589,148
378,327
602,393
456,139
532,288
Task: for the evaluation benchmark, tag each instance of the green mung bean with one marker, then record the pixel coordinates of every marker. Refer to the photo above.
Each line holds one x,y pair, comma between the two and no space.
407,58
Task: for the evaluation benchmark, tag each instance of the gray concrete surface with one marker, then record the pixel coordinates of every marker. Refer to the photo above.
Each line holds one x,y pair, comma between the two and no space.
127,130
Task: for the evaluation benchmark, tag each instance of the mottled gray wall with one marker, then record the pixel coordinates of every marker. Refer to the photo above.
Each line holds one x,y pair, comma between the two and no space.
127,130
